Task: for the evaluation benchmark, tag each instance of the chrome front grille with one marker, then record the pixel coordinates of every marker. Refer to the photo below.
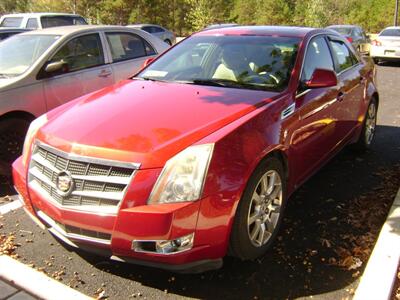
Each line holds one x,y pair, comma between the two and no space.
98,185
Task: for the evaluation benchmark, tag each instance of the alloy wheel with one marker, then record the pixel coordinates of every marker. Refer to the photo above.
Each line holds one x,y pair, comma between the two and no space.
265,208
370,123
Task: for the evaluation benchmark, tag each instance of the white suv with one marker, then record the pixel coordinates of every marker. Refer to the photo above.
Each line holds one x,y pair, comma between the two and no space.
40,20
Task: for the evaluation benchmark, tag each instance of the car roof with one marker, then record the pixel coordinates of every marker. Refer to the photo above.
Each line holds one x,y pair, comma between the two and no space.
64,30
39,14
143,25
343,26
290,31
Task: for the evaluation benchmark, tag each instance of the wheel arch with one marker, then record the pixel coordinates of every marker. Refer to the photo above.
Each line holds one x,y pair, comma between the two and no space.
18,114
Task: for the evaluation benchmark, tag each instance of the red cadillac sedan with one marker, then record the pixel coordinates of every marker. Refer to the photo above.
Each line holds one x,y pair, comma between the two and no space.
200,151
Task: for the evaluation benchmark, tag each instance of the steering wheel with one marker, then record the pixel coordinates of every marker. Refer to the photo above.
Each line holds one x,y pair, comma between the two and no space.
256,78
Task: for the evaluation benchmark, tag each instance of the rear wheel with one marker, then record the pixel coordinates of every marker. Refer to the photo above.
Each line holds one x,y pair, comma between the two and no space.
168,42
259,212
12,135
368,130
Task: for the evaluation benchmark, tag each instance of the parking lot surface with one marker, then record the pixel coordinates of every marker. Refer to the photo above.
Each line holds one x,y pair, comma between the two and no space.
330,227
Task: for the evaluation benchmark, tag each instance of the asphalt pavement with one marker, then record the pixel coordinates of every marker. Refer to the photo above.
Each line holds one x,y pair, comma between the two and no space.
330,227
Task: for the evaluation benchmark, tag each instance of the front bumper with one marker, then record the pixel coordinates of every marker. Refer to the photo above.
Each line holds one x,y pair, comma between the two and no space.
113,235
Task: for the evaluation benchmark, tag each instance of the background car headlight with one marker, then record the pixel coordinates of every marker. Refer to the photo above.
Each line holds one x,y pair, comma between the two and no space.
183,176
30,135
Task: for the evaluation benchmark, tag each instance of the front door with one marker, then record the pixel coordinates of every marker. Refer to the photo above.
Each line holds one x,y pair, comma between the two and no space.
85,71
314,138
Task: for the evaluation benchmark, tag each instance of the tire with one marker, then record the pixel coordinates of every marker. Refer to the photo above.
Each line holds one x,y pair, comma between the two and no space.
246,241
12,136
368,128
168,42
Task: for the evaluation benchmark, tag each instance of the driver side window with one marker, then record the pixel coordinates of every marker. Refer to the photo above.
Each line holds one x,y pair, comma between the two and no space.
318,56
81,53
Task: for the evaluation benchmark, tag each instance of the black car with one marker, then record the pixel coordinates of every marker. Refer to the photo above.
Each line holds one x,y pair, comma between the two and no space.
7,32
355,35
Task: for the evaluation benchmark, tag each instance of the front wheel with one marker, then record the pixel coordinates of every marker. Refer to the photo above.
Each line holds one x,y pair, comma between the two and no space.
259,212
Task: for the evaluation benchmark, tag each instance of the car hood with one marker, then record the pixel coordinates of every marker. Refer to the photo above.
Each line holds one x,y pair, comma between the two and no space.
146,122
7,82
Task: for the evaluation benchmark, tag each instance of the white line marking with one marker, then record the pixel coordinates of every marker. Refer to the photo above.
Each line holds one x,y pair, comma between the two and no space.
380,274
36,282
10,206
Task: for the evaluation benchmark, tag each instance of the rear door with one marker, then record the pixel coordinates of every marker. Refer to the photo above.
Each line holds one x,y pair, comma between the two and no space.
86,70
314,138
128,53
351,87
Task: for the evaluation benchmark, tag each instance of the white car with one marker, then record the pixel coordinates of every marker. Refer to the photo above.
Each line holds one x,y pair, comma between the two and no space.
386,47
42,69
40,20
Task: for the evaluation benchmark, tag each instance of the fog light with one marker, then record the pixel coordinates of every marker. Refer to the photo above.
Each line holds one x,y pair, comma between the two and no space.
165,247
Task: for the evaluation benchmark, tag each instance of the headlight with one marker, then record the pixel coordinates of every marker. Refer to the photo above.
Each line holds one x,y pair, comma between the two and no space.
30,135
182,178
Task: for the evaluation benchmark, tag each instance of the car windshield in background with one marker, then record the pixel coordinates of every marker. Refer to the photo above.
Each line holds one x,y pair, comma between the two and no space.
19,52
54,21
390,32
251,62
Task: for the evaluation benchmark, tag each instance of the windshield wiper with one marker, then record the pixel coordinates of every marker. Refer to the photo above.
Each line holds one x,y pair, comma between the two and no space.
149,79
6,75
226,83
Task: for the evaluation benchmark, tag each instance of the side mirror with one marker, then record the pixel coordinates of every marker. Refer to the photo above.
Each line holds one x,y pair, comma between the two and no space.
321,78
147,62
56,67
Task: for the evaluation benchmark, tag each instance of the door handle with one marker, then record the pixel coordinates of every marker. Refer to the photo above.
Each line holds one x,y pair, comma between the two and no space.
104,73
340,97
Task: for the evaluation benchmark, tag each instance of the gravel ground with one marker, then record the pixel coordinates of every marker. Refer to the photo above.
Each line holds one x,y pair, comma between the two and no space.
330,228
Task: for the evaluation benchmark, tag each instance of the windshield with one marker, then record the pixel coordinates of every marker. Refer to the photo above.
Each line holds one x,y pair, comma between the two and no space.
19,52
391,32
251,62
54,21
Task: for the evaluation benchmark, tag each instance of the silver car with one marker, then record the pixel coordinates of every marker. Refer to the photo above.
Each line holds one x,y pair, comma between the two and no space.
40,70
386,47
158,31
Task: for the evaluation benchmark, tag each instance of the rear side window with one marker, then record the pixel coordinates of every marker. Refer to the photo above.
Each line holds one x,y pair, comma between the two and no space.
126,46
157,29
81,53
54,21
318,56
148,29
32,23
11,22
344,57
